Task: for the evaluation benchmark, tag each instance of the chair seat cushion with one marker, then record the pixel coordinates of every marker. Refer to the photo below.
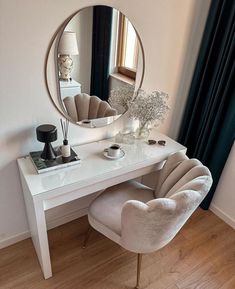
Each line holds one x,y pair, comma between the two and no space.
105,211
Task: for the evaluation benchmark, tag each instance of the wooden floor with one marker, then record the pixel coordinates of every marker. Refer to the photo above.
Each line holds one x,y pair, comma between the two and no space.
202,256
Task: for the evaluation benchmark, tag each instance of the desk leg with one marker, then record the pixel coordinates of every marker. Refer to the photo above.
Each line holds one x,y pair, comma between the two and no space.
38,229
40,240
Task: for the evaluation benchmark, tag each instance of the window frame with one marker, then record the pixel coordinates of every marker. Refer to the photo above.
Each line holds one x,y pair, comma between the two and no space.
122,69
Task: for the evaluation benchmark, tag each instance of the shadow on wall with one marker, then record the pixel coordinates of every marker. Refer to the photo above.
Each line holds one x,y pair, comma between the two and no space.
9,179
197,23
11,196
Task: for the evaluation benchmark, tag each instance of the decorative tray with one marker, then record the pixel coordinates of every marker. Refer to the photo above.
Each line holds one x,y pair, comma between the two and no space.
42,166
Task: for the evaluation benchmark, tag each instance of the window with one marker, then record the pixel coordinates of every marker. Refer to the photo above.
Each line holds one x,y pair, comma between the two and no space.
127,48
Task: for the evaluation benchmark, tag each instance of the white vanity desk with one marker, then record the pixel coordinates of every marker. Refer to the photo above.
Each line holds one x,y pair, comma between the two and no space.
51,189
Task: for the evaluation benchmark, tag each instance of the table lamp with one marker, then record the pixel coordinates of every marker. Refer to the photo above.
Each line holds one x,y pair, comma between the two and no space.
67,47
47,133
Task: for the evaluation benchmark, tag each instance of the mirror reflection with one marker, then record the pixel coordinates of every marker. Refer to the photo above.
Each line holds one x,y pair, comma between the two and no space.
98,52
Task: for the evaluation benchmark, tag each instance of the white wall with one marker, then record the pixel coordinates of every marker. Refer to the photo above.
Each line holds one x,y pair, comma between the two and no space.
81,23
171,32
223,203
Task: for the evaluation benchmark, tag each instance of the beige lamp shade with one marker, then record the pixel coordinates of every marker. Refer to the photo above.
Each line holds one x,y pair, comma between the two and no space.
68,44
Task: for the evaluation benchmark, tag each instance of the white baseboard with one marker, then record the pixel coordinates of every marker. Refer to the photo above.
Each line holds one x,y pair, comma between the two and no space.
66,218
14,239
50,225
218,212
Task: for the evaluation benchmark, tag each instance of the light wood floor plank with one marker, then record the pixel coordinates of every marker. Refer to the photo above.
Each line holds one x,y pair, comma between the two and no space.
201,256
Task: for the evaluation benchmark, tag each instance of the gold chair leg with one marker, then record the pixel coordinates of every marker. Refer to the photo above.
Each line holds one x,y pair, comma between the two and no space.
139,259
86,237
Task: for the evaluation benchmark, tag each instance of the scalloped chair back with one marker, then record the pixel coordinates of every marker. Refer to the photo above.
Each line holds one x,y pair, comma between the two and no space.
183,184
84,106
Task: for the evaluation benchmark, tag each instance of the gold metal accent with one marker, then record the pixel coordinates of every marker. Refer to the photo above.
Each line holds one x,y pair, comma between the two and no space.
139,259
88,233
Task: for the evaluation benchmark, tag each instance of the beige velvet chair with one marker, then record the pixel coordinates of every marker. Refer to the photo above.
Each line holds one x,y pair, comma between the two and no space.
143,220
84,106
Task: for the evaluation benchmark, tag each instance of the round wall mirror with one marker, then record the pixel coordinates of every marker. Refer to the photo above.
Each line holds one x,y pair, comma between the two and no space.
95,58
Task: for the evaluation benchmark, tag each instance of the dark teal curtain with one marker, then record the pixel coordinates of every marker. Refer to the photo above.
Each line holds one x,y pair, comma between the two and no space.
101,45
208,126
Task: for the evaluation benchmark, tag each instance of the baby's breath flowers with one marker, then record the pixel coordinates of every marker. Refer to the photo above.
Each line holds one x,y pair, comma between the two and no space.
121,97
149,108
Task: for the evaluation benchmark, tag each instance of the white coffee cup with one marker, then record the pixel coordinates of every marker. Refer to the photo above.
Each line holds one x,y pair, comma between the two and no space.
86,123
114,150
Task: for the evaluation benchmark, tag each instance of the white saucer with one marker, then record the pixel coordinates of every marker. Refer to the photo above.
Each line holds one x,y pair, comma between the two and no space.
121,155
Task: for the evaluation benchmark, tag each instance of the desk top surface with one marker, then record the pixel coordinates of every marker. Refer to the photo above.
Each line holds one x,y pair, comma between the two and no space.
94,167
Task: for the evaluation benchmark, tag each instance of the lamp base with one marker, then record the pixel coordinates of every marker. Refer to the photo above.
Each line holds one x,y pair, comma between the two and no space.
65,64
48,152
